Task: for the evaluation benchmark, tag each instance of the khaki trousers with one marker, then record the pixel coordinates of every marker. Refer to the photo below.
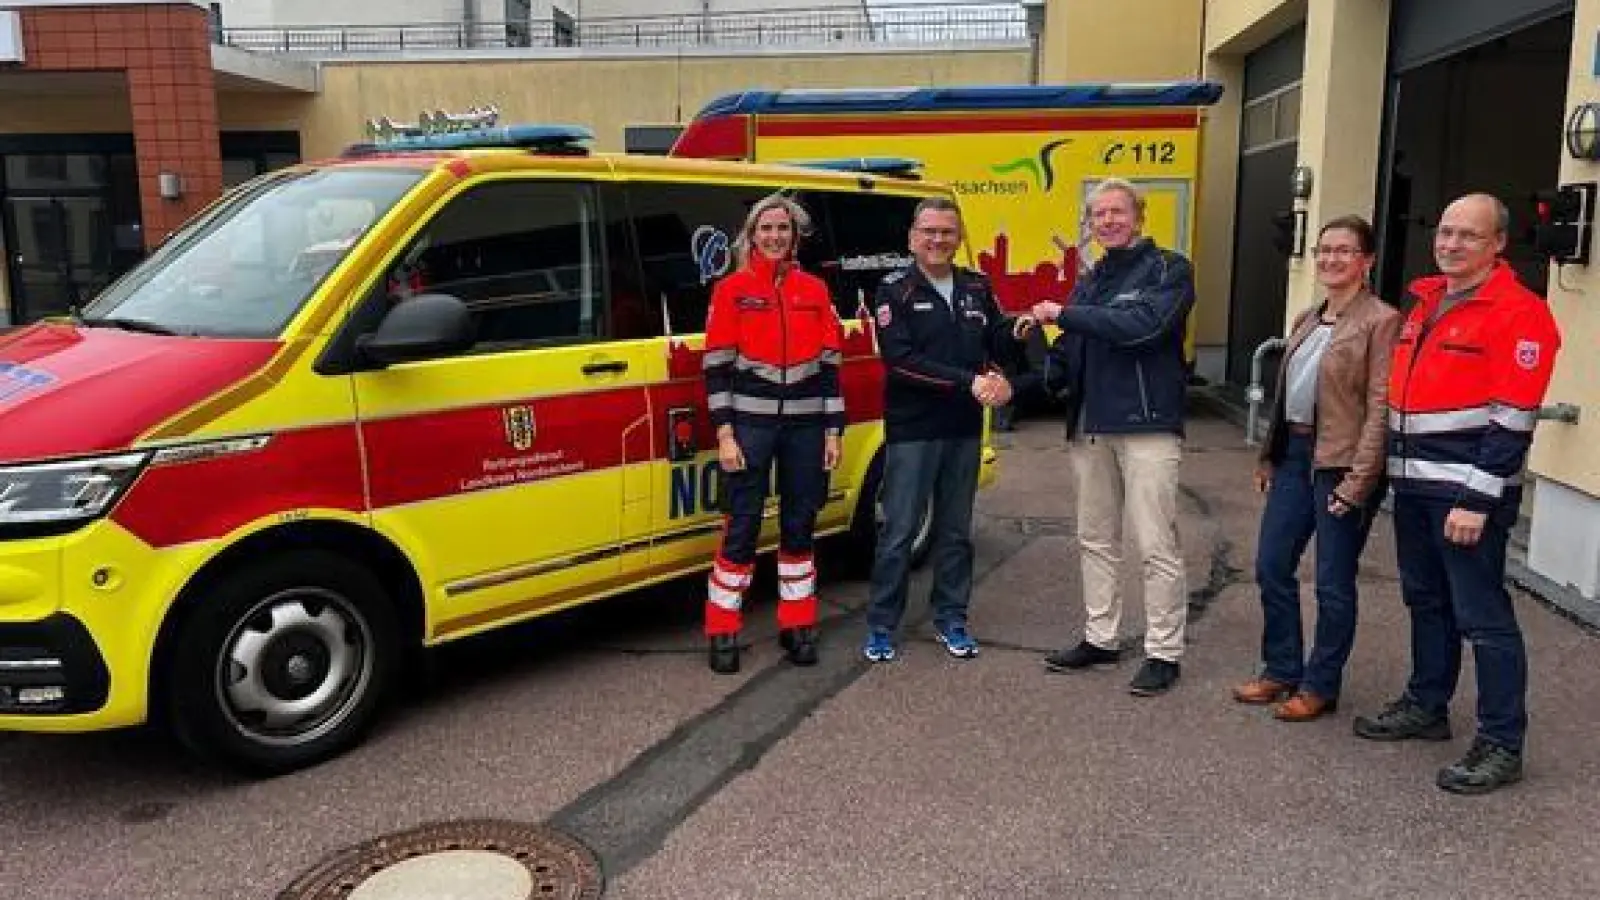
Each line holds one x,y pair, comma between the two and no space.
1132,479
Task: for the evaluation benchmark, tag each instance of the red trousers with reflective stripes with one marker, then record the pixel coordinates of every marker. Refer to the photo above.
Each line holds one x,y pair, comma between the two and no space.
797,593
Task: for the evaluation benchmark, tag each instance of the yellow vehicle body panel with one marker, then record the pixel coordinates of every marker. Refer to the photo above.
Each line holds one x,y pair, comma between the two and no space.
511,483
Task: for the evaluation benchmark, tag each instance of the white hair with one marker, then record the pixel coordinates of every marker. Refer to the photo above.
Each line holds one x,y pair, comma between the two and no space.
1128,188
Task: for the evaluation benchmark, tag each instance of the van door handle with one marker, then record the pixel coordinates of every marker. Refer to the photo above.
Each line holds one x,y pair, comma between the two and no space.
610,365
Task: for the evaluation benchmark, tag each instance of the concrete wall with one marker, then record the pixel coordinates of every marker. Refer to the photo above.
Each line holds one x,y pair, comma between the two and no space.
281,13
594,9
1141,40
608,94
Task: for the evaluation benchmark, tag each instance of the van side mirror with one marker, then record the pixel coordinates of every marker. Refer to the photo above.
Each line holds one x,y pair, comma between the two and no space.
427,326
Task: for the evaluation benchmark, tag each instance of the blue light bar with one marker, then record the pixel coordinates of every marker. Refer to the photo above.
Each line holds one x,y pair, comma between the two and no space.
1094,95
891,166
547,138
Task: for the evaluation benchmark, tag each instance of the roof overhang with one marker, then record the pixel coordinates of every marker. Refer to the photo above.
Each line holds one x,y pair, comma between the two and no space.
241,70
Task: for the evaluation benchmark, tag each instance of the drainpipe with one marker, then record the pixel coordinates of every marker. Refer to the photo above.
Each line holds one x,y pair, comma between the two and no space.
1256,392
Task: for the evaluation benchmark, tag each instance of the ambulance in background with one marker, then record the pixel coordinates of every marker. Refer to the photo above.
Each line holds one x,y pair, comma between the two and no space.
1021,160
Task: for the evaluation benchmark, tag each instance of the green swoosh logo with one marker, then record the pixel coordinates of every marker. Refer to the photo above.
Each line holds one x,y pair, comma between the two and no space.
1026,164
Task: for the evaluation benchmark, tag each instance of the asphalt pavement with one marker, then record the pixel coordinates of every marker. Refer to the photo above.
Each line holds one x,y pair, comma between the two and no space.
926,777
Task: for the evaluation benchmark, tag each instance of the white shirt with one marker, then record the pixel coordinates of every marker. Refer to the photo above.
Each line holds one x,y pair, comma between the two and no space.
1300,388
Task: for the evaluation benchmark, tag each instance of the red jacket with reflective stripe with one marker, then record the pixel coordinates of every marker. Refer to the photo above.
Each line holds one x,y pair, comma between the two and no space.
772,349
1465,391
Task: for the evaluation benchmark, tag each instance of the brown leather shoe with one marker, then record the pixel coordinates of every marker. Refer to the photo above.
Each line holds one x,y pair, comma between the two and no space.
1304,707
1262,691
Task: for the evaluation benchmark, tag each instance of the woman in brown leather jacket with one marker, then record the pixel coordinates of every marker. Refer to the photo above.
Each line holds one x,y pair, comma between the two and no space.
1322,468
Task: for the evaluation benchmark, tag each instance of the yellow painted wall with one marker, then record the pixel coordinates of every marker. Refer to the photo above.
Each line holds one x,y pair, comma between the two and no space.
1128,40
260,111
1239,26
99,112
1561,452
1217,204
608,95
1341,122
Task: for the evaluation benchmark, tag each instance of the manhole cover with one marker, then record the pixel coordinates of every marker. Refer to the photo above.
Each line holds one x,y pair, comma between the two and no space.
480,860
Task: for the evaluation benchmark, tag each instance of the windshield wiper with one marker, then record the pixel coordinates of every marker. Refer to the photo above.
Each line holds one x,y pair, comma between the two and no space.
142,326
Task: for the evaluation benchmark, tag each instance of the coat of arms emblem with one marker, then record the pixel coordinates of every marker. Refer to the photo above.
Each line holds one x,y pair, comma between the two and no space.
520,426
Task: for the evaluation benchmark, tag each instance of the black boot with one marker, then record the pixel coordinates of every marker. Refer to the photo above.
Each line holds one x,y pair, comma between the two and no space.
800,645
723,654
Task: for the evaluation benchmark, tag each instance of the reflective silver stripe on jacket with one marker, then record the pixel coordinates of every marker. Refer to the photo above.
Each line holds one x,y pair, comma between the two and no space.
1478,417
1440,422
1469,476
1513,419
770,406
720,400
778,374
719,357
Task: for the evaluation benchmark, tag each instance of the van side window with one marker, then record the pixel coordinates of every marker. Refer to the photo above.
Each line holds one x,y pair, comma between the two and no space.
524,256
871,238
685,236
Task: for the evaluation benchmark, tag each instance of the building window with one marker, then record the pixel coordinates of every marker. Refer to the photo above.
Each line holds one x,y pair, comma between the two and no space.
1272,120
564,30
519,23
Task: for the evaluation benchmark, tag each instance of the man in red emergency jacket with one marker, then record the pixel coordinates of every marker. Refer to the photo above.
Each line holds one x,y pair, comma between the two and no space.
1470,372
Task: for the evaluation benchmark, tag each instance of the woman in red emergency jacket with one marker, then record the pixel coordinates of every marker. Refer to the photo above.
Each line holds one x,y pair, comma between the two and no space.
772,358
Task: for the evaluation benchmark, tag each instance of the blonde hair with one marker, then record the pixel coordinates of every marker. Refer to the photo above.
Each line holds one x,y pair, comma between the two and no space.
798,217
1127,187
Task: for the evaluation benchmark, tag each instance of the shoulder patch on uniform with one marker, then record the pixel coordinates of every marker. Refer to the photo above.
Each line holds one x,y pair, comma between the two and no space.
1528,354
885,316
894,276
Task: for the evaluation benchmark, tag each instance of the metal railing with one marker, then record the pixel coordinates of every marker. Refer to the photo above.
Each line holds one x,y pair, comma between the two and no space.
955,23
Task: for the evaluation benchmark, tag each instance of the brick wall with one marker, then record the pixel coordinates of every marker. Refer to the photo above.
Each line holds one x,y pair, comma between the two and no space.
165,51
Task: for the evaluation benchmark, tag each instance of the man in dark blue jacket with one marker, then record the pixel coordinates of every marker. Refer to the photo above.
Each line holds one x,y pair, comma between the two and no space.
1119,362
940,335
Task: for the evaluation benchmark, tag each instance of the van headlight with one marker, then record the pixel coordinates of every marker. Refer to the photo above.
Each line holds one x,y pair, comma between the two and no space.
65,491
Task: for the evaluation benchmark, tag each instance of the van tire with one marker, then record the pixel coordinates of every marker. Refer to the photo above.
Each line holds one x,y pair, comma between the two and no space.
868,515
309,638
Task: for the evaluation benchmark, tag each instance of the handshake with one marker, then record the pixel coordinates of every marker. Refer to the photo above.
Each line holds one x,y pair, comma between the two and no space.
992,389
1046,311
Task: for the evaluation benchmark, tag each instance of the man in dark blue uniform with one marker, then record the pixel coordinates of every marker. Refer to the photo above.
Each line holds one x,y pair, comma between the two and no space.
940,335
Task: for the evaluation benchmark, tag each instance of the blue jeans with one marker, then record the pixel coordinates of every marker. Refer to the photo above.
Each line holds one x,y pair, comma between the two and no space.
1455,592
915,472
1297,511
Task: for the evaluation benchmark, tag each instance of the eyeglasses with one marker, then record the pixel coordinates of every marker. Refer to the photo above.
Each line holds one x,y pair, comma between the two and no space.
1464,235
1336,252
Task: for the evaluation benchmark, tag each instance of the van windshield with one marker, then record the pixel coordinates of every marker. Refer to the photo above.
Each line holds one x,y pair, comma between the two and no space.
245,269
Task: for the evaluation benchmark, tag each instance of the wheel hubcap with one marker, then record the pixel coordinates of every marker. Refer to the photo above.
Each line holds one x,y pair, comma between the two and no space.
295,666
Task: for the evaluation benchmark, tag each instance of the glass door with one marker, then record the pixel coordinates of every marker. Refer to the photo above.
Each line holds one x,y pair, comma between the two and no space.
71,225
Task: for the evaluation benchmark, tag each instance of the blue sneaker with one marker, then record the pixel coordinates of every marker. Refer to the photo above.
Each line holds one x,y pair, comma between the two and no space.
957,641
879,647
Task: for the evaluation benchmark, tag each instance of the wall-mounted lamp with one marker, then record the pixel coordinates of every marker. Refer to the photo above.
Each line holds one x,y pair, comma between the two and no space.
170,184
1303,182
1583,132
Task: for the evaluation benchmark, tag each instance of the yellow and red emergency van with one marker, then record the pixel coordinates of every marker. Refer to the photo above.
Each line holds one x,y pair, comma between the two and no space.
1020,158
373,404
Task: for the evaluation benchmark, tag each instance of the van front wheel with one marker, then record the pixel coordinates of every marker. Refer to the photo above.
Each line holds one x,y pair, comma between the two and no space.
869,520
283,663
